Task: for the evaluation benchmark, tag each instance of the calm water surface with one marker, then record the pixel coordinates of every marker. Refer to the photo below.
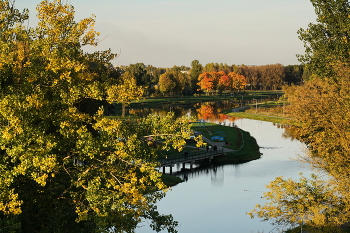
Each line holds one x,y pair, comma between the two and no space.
216,199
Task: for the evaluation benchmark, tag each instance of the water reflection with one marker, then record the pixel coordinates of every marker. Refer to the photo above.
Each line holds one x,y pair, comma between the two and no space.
216,199
209,111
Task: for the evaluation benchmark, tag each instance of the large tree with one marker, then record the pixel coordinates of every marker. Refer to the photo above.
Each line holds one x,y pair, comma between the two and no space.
174,81
320,110
327,40
196,70
64,166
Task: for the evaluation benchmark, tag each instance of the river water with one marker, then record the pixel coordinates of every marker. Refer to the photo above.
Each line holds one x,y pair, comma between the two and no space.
217,199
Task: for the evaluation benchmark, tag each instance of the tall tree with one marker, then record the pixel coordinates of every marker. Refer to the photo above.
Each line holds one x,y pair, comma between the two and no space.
206,82
167,83
225,83
64,166
196,70
139,72
320,109
327,40
238,81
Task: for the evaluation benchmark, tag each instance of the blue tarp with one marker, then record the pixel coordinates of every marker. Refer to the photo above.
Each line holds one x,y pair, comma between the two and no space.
217,138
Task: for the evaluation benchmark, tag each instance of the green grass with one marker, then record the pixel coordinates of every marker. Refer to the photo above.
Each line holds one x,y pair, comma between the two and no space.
232,135
259,117
170,181
249,152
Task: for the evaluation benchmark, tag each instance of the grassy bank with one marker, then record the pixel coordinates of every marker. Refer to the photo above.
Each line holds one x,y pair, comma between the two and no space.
249,152
259,117
232,135
170,181
235,137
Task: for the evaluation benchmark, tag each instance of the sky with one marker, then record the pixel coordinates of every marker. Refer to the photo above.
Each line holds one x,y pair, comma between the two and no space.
164,33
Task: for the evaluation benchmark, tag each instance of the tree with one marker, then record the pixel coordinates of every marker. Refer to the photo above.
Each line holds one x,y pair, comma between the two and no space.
238,81
167,82
225,83
319,109
308,201
196,70
206,82
327,40
139,72
64,166
174,81
294,74
211,67
119,94
154,72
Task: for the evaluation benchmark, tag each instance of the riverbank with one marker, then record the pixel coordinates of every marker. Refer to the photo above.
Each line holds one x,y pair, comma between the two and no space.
238,145
260,114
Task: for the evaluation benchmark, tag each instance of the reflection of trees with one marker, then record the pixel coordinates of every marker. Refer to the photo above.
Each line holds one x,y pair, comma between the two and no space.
211,112
206,112
216,173
290,132
162,111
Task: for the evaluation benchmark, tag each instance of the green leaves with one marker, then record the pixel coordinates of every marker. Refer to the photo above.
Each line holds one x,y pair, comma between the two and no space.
327,41
62,161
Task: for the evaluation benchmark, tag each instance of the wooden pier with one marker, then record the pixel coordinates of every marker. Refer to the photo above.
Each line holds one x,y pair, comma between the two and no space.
191,157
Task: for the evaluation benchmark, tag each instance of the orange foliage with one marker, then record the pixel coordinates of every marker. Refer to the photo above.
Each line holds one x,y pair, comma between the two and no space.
205,112
206,81
238,81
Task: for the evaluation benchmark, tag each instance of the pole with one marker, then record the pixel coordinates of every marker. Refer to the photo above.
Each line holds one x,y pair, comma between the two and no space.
256,105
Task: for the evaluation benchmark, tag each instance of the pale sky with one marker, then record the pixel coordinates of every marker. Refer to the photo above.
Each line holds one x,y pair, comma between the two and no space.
164,33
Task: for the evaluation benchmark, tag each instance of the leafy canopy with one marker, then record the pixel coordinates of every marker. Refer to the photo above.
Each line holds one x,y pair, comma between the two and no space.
320,109
64,166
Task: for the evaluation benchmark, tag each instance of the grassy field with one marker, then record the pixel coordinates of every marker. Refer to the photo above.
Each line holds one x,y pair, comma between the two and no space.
235,137
259,117
232,135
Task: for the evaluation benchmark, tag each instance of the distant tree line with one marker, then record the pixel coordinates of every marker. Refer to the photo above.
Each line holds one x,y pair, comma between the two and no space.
213,77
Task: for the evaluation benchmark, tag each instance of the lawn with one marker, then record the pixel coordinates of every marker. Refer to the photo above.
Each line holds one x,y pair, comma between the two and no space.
232,135
235,137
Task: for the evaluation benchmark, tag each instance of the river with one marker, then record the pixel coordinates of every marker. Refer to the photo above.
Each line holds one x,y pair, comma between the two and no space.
217,199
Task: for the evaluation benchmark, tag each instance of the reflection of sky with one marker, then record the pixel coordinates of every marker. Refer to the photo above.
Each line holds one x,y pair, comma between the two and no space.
217,200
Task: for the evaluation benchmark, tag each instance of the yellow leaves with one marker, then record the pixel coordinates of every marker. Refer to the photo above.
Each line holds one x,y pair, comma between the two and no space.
312,201
82,213
11,205
65,75
34,101
40,179
125,92
78,67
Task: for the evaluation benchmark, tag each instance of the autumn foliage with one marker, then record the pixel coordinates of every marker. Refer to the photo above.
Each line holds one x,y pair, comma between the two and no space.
219,81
